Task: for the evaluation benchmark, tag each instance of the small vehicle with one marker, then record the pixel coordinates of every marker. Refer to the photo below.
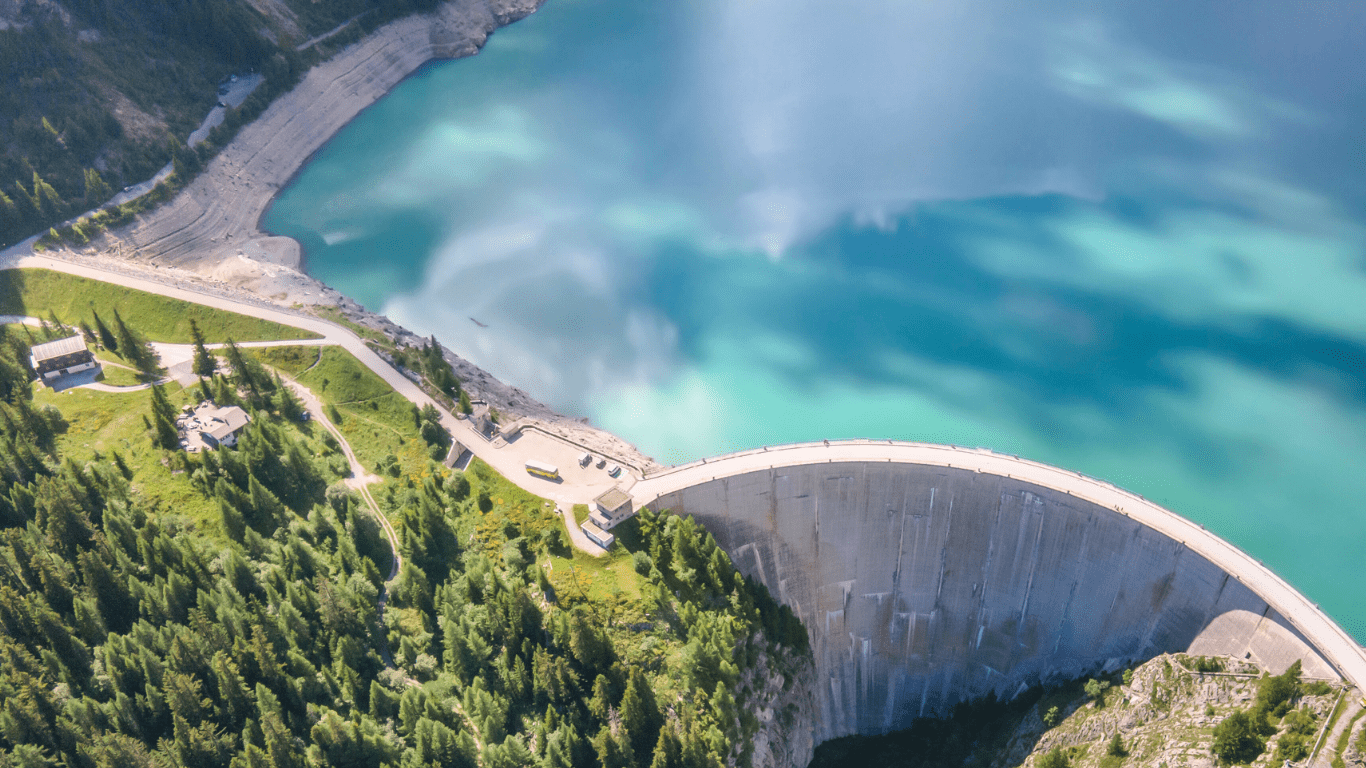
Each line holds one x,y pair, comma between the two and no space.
601,463
614,470
543,470
585,459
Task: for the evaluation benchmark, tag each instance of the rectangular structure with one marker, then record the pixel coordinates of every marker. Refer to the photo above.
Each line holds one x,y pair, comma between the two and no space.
597,535
611,508
542,469
61,357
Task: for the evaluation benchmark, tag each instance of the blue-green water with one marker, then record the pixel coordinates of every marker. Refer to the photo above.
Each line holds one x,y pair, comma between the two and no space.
1125,240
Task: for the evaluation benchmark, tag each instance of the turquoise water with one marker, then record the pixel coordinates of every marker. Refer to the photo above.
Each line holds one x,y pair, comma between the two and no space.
1094,237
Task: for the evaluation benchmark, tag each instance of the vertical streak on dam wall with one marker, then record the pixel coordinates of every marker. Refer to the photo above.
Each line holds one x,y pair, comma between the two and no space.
922,586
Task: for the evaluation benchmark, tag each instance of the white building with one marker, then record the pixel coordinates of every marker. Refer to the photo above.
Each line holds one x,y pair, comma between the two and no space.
608,511
209,427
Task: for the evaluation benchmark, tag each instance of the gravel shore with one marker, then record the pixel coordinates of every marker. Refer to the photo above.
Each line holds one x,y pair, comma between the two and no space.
211,226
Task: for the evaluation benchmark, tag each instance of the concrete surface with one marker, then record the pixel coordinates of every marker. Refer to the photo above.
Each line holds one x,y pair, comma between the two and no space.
929,575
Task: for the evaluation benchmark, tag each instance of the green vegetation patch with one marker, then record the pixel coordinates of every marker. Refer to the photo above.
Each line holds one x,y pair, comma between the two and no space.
118,374
101,424
75,300
292,360
380,424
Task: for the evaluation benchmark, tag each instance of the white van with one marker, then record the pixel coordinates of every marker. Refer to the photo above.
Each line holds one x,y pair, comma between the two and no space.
585,459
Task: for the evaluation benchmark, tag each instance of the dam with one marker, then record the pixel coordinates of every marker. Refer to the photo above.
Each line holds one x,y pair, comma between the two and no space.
928,575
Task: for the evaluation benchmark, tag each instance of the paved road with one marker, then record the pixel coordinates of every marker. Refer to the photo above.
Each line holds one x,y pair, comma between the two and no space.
1336,645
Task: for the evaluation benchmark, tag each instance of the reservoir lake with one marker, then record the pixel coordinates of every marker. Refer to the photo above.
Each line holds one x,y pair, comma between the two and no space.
1128,240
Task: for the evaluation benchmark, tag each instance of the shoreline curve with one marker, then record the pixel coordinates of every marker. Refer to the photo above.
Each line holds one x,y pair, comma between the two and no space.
213,226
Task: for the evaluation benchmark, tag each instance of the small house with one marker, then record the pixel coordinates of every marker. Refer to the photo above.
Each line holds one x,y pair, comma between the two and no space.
610,508
61,357
597,535
215,427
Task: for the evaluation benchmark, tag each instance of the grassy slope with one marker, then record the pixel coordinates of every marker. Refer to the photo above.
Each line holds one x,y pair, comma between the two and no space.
376,420
36,292
105,422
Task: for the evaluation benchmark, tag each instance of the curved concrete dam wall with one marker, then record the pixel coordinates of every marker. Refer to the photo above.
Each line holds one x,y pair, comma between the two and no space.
929,575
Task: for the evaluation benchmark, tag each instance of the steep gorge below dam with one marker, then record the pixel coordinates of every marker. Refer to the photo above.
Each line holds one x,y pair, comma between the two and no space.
929,576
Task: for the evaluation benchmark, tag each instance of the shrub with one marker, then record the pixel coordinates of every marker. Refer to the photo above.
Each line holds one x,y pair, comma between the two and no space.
1128,677
1095,690
642,563
1277,694
1317,688
1236,740
1051,717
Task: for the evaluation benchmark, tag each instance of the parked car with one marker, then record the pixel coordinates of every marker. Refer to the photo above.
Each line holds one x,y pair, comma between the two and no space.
614,470
601,463
585,459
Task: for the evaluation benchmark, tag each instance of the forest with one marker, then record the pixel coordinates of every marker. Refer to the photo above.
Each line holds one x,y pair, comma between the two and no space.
268,636
100,94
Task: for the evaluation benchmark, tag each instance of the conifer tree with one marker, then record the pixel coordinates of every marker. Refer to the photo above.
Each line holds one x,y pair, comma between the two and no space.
96,189
163,420
287,403
204,363
640,715
135,350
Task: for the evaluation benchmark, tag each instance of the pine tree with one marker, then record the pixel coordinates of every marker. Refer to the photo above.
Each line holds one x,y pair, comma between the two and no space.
135,350
233,524
288,403
668,752
204,363
640,715
269,513
47,199
96,190
466,407
163,419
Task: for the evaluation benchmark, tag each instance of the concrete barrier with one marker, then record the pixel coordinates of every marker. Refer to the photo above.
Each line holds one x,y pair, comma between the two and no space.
924,584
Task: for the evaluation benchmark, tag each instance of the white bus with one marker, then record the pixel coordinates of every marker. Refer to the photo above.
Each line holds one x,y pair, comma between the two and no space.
541,469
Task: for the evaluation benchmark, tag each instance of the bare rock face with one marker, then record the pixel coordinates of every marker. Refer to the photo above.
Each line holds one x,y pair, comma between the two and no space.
777,691
1166,715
